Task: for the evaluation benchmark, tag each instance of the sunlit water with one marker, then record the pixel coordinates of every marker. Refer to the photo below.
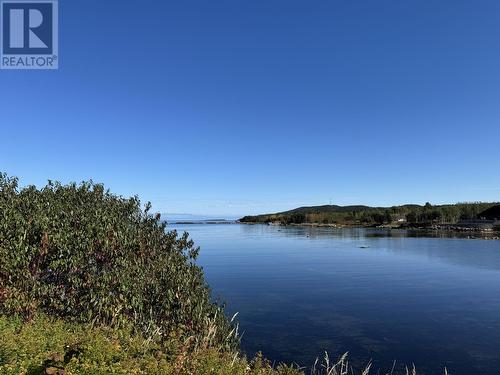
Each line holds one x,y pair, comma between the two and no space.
434,302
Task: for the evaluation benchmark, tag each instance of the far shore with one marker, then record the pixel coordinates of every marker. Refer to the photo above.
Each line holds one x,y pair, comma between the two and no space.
452,230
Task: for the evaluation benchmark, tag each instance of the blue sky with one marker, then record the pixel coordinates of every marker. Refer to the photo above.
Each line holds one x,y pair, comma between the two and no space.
236,107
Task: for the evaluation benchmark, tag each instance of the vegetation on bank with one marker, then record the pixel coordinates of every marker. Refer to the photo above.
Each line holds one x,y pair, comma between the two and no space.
407,215
54,346
86,258
82,254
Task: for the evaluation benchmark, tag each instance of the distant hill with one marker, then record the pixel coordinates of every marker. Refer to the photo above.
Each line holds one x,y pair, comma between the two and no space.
336,209
405,215
189,218
328,208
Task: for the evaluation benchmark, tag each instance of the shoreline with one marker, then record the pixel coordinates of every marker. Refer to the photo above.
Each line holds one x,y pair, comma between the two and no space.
452,230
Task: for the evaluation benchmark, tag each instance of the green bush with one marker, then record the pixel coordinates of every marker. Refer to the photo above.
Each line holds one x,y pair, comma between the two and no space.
80,253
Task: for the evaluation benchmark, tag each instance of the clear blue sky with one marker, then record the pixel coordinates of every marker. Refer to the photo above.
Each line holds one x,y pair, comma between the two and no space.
235,107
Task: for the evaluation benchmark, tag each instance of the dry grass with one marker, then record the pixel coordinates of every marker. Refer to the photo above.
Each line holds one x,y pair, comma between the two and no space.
342,367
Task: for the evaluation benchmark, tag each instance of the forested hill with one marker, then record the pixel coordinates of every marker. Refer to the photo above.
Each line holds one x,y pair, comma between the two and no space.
409,214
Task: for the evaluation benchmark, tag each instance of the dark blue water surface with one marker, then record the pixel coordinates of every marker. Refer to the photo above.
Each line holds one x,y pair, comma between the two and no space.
299,291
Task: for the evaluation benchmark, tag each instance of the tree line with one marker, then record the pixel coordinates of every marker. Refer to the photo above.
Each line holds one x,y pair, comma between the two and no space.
408,215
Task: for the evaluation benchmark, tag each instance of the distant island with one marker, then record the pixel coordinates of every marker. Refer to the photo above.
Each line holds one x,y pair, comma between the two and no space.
210,221
461,216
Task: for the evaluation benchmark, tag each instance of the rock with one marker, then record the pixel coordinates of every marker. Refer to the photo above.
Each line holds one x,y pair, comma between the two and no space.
55,371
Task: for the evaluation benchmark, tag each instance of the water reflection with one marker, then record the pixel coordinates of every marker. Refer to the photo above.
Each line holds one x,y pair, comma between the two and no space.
467,252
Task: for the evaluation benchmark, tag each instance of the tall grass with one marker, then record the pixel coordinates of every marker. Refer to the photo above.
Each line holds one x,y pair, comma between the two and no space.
342,367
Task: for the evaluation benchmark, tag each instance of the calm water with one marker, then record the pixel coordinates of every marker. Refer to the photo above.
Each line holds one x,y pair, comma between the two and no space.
301,291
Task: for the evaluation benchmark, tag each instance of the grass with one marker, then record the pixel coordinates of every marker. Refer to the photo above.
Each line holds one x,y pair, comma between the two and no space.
49,346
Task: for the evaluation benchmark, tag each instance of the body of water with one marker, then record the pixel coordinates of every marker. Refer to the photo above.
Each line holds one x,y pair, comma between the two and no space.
380,295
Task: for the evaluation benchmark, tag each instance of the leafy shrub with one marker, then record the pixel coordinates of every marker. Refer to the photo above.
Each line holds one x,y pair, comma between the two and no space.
80,253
